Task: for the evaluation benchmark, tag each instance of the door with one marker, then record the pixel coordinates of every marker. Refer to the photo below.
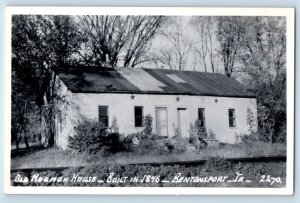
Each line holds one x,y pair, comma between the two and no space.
182,122
161,121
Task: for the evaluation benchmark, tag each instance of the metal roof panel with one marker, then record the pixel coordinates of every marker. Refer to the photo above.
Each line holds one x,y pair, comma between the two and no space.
149,81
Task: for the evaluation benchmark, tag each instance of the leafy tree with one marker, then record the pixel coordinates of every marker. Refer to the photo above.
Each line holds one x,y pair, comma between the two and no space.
263,63
230,33
39,45
257,45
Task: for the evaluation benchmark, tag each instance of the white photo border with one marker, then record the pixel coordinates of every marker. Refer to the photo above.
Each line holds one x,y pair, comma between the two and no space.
289,13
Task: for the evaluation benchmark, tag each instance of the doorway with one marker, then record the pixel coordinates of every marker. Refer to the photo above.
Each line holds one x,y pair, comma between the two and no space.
182,122
161,121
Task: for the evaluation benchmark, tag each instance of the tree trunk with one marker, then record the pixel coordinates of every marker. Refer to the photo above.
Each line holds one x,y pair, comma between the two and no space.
212,63
51,140
41,124
211,53
179,67
204,63
17,141
271,132
25,136
26,141
18,138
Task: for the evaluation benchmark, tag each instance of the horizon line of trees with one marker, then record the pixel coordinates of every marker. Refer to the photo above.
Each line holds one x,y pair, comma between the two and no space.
250,49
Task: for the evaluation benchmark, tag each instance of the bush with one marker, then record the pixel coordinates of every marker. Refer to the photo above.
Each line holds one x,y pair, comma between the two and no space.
249,138
200,129
142,143
211,134
92,137
131,141
151,143
193,139
115,125
176,144
217,164
148,120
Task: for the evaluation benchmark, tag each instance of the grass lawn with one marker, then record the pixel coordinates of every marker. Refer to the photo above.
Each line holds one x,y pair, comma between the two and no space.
62,158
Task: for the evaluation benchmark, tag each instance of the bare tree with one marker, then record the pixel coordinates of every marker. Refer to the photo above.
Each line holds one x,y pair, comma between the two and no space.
111,39
201,45
178,48
205,28
210,32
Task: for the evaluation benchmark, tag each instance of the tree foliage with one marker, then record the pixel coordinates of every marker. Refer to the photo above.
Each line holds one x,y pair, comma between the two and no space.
263,61
40,44
254,50
230,33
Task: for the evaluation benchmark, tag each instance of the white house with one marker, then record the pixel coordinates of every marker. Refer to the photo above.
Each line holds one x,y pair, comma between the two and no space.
175,99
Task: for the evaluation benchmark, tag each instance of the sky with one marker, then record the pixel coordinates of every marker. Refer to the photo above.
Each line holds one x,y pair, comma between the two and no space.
189,34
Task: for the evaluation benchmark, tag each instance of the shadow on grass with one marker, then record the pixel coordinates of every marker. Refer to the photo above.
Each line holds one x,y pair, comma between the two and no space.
25,151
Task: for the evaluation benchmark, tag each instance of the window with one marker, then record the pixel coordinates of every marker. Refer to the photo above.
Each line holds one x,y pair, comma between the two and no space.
138,116
103,115
201,116
231,114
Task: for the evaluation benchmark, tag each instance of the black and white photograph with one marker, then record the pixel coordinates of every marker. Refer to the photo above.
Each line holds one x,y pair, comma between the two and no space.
150,101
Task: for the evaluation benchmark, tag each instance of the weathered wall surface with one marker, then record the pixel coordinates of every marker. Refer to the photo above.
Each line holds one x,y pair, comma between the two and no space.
121,106
68,117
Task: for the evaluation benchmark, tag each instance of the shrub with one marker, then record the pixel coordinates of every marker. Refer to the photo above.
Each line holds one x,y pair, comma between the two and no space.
211,134
131,141
200,129
148,120
197,133
154,144
193,139
115,125
92,137
176,144
251,120
151,143
249,138
217,164
144,143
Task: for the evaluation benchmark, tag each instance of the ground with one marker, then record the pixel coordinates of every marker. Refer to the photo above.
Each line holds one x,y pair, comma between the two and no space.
62,158
118,170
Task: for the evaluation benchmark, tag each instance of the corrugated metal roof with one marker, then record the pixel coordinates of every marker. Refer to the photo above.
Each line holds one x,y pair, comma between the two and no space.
149,81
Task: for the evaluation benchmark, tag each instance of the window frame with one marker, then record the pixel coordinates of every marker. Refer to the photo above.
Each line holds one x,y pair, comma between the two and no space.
232,120
106,124
140,117
203,119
